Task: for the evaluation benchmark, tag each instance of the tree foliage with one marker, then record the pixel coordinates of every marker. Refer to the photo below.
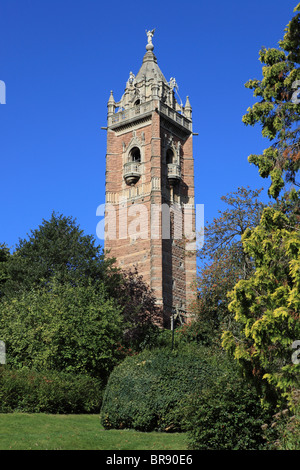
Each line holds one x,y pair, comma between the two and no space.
64,328
278,109
4,257
139,310
267,305
59,250
31,391
149,391
223,259
226,415
56,249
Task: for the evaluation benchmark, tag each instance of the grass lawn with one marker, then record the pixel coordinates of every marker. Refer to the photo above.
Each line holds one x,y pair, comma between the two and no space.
22,431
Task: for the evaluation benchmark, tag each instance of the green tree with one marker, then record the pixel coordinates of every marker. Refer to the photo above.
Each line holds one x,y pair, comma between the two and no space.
278,109
139,310
57,248
223,260
267,305
64,328
4,257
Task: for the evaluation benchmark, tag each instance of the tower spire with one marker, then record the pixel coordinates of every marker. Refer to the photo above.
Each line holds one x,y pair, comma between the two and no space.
149,68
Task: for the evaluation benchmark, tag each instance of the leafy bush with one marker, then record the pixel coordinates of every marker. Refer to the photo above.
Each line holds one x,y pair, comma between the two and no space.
64,328
59,251
48,391
139,310
227,415
283,433
194,331
149,391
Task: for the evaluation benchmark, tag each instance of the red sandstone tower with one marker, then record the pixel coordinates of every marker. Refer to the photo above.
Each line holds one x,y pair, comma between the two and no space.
150,207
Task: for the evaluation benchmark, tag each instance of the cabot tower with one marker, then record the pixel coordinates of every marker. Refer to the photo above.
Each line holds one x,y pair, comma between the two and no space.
150,207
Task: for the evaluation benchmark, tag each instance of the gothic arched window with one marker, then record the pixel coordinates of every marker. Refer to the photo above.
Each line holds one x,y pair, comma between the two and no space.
135,155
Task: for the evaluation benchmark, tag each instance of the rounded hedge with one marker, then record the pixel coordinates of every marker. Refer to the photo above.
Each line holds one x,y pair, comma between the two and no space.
227,415
149,391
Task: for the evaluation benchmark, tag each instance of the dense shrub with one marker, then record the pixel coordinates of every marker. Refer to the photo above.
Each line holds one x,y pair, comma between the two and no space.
49,391
62,327
149,391
226,416
283,432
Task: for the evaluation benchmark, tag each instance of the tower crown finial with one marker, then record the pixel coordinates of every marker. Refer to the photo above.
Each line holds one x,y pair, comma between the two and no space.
150,34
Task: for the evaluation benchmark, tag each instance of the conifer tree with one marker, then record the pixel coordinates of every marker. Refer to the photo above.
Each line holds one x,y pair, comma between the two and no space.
267,305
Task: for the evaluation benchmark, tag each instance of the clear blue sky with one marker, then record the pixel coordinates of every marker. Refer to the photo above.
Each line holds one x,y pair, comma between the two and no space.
59,60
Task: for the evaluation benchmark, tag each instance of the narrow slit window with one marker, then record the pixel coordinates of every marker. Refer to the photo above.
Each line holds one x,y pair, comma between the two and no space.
170,156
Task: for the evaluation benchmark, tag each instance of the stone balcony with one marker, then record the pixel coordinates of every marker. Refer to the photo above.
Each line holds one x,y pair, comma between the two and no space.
132,172
174,173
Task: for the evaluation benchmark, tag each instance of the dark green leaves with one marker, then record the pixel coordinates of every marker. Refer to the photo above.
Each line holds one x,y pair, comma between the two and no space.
276,112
